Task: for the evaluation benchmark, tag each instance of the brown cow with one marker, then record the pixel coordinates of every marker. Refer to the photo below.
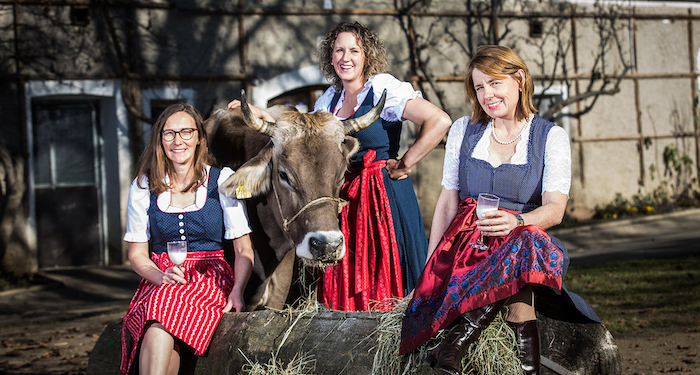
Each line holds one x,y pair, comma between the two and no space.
293,170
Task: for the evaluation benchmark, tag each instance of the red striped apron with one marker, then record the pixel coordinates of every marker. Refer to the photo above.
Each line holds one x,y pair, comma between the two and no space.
189,312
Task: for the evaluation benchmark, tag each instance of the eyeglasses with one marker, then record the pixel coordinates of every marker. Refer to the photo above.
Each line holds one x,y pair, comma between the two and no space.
186,134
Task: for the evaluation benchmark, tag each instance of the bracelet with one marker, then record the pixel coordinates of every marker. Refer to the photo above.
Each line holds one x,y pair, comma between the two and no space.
521,222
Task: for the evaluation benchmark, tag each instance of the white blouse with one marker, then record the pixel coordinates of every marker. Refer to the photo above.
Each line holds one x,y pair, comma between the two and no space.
397,94
557,155
137,224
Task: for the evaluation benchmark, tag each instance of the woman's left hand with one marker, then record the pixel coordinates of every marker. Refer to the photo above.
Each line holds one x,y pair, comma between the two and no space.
234,302
497,223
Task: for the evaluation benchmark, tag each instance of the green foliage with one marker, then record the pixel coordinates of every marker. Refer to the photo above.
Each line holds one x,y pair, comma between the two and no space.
641,294
679,169
650,203
682,191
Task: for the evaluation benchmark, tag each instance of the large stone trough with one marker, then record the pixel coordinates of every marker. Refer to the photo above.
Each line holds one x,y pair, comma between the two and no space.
344,343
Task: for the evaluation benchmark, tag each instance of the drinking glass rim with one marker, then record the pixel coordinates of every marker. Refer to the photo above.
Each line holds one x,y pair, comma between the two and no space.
489,196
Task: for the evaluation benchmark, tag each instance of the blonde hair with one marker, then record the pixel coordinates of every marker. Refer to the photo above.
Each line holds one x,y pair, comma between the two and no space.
500,62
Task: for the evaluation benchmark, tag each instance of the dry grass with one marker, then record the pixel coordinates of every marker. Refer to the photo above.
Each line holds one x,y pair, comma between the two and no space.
387,360
493,353
299,365
302,363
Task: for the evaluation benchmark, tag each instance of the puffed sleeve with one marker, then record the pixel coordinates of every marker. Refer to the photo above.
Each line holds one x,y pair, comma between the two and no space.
323,103
137,227
235,216
398,93
450,168
557,161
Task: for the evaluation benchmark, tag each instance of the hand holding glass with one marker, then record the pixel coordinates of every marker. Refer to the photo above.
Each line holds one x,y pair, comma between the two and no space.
177,252
485,203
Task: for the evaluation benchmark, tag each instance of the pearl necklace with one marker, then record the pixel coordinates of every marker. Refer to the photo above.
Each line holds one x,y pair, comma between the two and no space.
495,137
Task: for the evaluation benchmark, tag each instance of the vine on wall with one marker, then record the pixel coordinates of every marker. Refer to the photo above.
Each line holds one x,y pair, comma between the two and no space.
679,189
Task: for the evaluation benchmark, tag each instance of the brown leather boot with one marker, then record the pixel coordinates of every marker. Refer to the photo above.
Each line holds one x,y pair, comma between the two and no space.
446,358
527,337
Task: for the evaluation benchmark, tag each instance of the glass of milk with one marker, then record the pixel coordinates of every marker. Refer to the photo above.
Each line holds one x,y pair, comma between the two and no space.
485,203
177,252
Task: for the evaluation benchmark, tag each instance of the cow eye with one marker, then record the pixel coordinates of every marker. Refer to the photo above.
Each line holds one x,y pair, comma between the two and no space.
284,177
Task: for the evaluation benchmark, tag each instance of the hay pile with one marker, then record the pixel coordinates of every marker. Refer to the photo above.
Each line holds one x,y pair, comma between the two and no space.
493,353
299,365
387,360
302,363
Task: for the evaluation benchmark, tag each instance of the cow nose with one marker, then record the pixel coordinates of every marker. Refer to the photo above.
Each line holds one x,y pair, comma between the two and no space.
325,251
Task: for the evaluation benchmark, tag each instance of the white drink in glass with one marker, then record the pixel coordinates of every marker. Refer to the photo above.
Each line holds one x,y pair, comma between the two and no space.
177,252
480,211
485,202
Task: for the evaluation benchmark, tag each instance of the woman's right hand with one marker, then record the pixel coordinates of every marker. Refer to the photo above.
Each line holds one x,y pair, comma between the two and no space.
235,103
257,112
173,275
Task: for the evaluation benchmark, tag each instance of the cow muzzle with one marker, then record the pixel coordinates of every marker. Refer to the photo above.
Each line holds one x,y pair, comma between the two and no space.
322,249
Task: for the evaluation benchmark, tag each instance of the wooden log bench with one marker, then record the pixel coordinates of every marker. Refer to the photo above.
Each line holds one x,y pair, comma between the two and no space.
345,343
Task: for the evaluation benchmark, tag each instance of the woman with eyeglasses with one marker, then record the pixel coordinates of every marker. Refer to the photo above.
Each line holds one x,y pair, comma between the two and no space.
175,197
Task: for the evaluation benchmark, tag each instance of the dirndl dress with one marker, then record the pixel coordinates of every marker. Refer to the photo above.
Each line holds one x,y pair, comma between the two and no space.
459,278
189,312
382,224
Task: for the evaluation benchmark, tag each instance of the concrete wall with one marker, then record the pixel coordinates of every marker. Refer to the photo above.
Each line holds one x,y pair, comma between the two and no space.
205,51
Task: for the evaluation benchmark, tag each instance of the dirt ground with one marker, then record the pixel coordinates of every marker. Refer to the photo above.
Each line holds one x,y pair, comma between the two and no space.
64,348
51,348
661,351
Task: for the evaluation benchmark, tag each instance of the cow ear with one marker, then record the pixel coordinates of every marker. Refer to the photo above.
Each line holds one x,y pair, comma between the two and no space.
350,146
252,178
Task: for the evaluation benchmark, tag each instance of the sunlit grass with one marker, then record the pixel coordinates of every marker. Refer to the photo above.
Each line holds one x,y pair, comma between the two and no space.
641,294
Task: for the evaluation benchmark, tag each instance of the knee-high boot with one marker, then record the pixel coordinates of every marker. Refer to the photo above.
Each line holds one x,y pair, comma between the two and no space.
527,338
446,358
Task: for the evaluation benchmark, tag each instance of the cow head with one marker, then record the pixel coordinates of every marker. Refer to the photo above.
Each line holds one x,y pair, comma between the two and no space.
301,171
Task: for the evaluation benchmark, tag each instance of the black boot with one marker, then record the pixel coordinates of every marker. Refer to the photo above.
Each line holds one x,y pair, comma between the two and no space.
527,338
446,358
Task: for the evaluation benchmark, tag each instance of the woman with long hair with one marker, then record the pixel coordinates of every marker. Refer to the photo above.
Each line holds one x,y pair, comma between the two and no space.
382,223
175,198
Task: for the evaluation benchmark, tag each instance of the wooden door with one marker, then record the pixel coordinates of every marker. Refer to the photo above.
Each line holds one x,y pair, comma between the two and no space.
66,183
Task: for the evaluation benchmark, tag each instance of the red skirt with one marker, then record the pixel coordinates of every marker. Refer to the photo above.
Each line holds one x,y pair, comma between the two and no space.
370,272
189,312
460,278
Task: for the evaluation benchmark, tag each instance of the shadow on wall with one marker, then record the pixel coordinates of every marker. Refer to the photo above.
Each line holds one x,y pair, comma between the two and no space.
17,256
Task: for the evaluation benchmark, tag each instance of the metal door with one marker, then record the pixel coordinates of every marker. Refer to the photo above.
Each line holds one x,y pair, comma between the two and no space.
66,183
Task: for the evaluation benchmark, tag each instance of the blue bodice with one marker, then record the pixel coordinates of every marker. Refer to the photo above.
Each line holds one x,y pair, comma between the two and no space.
202,229
382,136
518,186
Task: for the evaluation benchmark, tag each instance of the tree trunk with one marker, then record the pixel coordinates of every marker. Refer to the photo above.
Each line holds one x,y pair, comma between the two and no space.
344,343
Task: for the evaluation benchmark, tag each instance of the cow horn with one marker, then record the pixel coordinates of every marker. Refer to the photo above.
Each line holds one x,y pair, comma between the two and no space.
258,124
355,125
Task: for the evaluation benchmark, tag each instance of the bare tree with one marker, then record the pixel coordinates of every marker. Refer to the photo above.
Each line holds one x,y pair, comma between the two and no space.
486,22
603,79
